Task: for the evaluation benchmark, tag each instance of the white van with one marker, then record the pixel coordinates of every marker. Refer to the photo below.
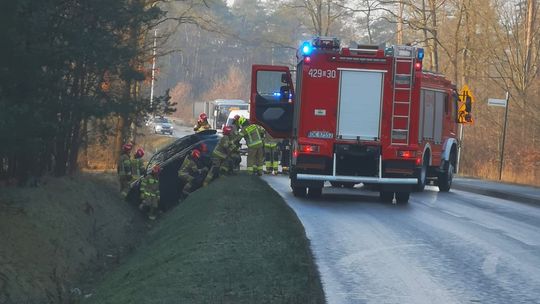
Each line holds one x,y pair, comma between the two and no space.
243,113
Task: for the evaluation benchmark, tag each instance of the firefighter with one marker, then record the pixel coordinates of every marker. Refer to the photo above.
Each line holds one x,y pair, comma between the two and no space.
190,174
253,134
220,156
235,158
124,168
233,162
202,123
137,164
271,153
205,160
150,193
285,149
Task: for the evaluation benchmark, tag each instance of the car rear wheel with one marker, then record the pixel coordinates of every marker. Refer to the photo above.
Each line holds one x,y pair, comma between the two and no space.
421,185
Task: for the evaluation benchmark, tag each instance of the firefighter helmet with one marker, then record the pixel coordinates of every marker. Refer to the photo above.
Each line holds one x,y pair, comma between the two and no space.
242,120
139,153
195,154
227,130
203,116
127,147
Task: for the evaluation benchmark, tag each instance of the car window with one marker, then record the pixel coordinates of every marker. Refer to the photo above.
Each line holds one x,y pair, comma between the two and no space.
161,120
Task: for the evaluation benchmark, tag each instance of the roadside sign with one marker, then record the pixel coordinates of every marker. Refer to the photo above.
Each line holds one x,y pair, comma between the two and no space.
466,92
466,99
496,102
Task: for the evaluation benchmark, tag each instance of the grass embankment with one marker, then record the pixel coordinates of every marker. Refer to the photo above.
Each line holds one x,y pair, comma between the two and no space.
234,241
62,233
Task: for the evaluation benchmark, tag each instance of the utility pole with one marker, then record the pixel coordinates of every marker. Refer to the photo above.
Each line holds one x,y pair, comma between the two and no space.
501,163
153,69
459,147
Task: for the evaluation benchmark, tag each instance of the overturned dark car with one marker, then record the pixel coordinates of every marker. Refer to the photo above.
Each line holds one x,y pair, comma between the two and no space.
170,160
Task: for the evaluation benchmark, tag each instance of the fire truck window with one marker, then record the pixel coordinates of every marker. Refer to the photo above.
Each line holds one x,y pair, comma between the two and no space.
454,101
271,88
446,104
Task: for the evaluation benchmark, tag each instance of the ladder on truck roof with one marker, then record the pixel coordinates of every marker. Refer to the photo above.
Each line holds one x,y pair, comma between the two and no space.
402,94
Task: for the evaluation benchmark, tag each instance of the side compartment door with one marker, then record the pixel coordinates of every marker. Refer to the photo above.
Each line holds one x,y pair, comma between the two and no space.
272,99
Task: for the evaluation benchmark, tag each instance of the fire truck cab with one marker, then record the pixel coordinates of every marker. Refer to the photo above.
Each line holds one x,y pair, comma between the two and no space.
360,115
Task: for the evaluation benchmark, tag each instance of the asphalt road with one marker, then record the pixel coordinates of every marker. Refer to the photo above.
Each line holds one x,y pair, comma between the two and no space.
181,130
456,247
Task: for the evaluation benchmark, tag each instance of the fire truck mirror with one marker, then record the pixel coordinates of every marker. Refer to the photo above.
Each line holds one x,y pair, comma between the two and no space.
284,78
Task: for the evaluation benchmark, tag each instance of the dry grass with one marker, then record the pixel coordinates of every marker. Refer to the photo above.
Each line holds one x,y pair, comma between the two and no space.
526,175
102,157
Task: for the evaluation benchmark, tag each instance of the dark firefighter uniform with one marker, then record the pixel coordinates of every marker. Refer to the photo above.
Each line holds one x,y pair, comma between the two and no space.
235,159
271,153
201,126
124,169
220,157
150,194
202,123
191,177
137,168
285,148
137,165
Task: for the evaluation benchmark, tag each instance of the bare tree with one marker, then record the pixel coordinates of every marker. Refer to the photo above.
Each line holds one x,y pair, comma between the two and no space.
322,14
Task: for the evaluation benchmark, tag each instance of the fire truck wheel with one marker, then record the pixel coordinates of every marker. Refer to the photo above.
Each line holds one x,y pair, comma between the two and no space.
299,191
386,196
422,176
445,179
402,197
314,192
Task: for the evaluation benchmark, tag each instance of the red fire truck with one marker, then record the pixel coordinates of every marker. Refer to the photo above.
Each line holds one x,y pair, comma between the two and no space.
362,115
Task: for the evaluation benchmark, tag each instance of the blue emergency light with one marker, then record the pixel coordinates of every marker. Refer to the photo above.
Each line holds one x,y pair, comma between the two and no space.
420,54
306,48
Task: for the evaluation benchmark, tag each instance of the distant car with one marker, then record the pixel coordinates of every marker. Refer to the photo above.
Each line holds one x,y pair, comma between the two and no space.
162,125
170,160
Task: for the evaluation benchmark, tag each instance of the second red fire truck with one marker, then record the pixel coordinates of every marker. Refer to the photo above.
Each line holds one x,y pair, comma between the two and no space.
362,115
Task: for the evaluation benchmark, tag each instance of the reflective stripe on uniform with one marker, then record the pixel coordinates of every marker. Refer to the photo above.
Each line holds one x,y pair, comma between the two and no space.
218,154
149,187
125,165
253,137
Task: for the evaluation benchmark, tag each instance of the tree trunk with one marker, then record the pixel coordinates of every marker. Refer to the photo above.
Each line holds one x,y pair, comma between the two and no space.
399,38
